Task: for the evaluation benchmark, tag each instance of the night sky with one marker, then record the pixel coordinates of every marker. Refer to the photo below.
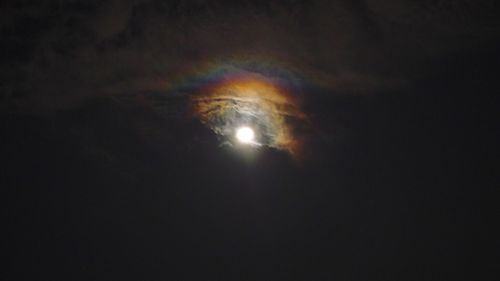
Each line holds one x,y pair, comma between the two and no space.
376,152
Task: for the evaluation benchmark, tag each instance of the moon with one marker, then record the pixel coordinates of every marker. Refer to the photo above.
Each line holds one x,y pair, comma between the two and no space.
245,135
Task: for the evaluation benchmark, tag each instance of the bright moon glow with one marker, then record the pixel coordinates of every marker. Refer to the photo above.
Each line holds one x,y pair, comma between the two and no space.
245,135
251,100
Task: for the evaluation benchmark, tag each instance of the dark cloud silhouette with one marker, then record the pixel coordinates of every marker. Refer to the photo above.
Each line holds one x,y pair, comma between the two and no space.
58,53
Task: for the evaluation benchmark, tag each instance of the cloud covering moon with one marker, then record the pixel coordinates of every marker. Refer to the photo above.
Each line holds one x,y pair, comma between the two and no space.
86,49
235,96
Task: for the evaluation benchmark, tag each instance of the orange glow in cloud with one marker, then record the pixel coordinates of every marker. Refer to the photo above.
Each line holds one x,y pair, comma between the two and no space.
251,99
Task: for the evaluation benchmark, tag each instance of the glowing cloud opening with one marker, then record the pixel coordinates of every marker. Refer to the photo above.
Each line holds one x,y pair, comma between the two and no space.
270,103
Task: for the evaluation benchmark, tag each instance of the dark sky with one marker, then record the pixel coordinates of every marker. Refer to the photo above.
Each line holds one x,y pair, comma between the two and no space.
105,175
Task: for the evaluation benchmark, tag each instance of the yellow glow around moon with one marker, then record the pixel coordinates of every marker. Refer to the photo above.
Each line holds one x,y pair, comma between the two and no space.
269,106
245,135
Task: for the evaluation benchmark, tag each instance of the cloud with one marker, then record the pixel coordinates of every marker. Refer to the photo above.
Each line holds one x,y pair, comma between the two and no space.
75,50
